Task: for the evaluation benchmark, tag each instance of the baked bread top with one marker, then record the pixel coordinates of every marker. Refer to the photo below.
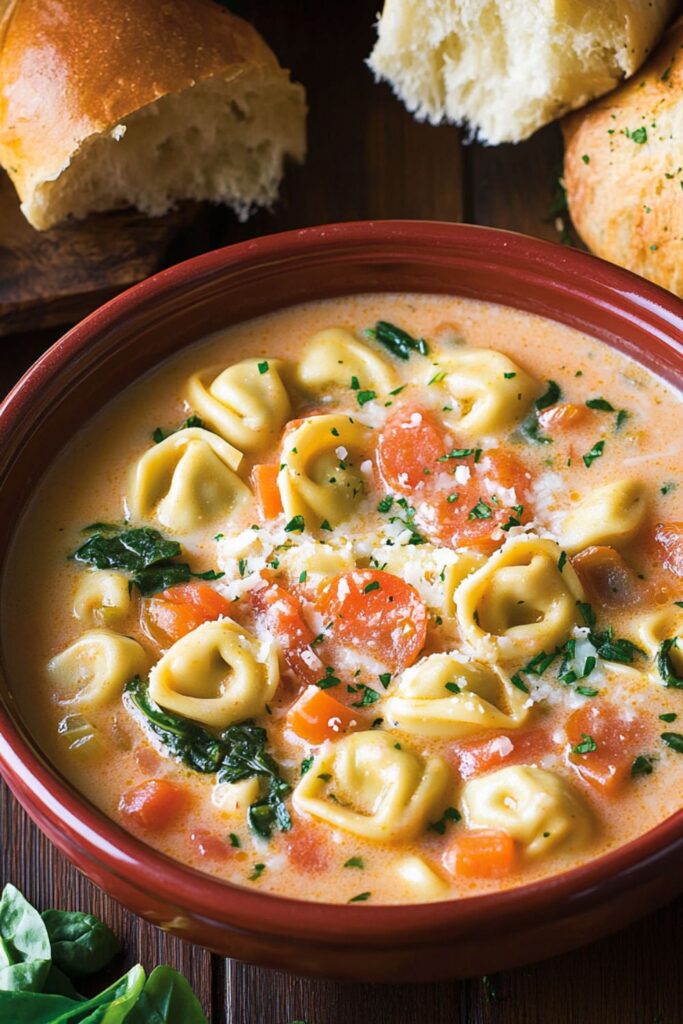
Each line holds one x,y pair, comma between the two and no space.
623,169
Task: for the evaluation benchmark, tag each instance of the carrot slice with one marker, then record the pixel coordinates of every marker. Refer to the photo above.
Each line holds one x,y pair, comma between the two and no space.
264,480
154,804
562,416
317,716
168,616
482,855
603,745
282,615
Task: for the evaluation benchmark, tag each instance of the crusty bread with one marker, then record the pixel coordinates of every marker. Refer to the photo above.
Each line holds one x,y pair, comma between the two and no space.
507,67
110,103
623,169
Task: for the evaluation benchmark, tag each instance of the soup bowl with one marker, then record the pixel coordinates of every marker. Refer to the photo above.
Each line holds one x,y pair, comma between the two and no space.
144,325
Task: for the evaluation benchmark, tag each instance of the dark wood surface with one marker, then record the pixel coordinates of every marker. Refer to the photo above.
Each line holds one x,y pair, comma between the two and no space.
368,158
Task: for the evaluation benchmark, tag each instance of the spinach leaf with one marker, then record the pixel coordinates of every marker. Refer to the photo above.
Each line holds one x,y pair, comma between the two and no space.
167,999
665,665
81,944
33,1007
57,984
238,753
25,954
142,551
247,757
192,744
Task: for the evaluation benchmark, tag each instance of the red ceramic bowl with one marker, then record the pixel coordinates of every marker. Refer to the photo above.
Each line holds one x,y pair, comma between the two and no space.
115,345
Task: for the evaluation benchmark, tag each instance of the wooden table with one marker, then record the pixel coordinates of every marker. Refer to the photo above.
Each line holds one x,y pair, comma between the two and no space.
369,159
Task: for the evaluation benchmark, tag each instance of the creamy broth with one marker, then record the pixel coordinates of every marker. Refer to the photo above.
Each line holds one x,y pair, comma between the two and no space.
522,522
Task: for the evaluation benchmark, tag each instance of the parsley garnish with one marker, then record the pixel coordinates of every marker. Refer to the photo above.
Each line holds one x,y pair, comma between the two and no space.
159,435
480,511
397,341
622,416
586,746
295,525
372,585
460,453
354,862
670,716
362,897
450,814
325,525
595,453
384,678
257,872
642,765
452,687
673,740
234,840
549,397
369,697
385,504
665,664
263,367
306,765
600,403
365,396
638,135
329,679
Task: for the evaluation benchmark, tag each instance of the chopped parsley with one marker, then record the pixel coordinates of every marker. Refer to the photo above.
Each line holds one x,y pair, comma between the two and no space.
642,765
364,397
638,135
562,560
450,814
384,678
372,585
397,341
600,403
369,698
480,511
362,897
242,566
509,376
263,367
354,862
665,665
669,716
622,416
234,840
673,740
586,746
452,687
329,679
461,453
551,395
355,384
325,525
306,765
257,872
303,576
438,377
517,681
667,487
159,435
595,453
385,504
295,525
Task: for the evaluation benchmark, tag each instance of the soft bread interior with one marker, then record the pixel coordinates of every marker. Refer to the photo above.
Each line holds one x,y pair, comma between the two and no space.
219,140
505,67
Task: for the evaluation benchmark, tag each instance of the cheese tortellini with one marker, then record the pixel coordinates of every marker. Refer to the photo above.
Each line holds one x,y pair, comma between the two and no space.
665,624
366,785
489,392
217,674
612,515
448,695
247,404
102,597
334,357
538,808
320,478
188,481
94,669
523,600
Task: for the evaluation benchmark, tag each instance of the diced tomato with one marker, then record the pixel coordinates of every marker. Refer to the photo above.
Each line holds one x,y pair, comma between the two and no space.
307,847
607,577
173,613
616,741
284,619
375,612
317,716
408,447
209,845
562,416
264,479
478,755
154,804
481,855
669,541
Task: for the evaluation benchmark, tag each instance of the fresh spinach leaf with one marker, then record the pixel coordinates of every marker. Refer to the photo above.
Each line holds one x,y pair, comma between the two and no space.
192,744
397,341
81,944
665,665
167,999
34,1007
26,953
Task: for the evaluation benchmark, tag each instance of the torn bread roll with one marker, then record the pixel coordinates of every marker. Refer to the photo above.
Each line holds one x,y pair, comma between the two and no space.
105,104
623,170
507,67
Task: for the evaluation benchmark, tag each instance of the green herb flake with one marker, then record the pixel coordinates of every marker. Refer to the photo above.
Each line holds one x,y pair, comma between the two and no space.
586,746
452,687
329,679
601,404
509,376
638,135
665,665
296,524
362,897
257,872
517,681
354,862
480,511
263,367
595,453
369,587
622,416
587,691
397,341
551,396
364,397
385,504
306,765
303,576
667,487
234,840
673,740
438,377
355,384
562,560
642,765
384,678
450,814
586,159
325,525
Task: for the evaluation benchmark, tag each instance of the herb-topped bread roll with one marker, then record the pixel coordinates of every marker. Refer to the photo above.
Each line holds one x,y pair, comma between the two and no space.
106,104
623,170
507,67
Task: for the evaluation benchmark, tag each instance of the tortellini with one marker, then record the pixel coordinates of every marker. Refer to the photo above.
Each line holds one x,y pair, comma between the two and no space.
420,879
102,597
247,404
368,786
334,357
490,393
612,515
94,669
665,624
448,695
434,572
234,798
523,600
538,808
217,674
188,481
320,478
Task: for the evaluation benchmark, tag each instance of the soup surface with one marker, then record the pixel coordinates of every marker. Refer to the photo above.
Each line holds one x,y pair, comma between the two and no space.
372,600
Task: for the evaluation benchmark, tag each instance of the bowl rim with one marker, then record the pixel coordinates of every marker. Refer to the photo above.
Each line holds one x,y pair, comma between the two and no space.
57,806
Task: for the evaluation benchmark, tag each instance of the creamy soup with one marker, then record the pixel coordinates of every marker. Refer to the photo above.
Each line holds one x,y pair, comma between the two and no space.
373,600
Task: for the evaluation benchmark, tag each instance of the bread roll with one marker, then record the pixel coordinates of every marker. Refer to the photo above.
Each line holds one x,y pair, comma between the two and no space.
110,103
506,67
623,170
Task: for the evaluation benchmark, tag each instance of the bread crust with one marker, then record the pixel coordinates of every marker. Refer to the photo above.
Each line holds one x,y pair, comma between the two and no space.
74,69
623,169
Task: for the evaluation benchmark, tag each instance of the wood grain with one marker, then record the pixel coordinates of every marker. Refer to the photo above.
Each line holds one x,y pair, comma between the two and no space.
367,159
